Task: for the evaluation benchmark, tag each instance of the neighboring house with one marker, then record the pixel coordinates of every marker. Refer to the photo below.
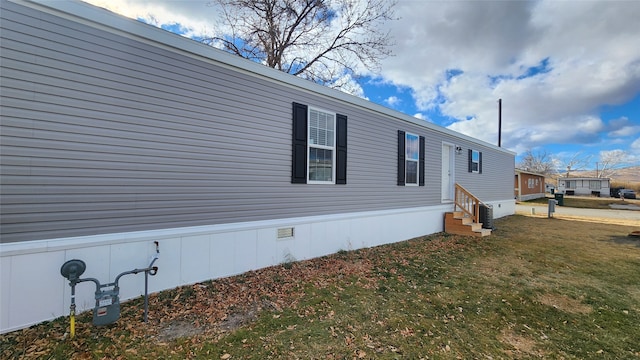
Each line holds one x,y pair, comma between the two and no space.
584,186
116,134
528,185
550,188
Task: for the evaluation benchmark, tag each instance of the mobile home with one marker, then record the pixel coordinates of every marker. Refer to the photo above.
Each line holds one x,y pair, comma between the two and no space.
117,134
529,185
584,186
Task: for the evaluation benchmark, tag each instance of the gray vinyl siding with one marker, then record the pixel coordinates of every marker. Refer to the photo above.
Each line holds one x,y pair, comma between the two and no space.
493,183
104,134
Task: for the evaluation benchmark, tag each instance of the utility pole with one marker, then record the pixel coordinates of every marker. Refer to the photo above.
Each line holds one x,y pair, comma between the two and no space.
597,170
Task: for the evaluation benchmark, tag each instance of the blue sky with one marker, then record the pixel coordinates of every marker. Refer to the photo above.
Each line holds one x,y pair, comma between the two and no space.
622,131
568,72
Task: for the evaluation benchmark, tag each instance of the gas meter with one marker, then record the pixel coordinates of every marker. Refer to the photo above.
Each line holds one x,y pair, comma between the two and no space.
107,307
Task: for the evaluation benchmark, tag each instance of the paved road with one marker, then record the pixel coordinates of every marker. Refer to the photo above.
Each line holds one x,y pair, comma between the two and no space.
570,211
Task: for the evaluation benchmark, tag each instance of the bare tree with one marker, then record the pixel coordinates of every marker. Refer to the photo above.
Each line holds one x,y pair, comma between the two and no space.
573,162
320,40
539,162
542,163
611,161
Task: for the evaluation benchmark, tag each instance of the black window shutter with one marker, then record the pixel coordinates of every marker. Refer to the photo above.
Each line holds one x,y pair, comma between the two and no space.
470,160
421,165
299,148
401,157
480,162
341,149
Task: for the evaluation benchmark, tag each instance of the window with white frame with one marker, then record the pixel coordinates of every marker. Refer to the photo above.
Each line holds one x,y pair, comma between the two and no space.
530,184
411,154
321,146
412,151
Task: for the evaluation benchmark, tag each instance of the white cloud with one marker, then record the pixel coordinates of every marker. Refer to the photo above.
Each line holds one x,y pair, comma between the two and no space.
348,84
592,59
393,101
625,131
634,150
621,128
196,17
422,116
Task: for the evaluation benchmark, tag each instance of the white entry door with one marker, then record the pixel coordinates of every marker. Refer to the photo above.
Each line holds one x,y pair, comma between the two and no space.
447,172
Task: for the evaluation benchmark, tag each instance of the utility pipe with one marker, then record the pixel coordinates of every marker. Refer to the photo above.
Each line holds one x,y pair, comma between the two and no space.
72,316
499,122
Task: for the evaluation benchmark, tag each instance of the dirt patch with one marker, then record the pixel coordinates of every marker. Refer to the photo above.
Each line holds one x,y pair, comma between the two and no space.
523,345
179,329
565,303
635,294
504,266
240,318
626,240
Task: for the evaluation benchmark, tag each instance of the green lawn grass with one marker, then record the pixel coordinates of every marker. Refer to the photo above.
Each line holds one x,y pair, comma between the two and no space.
535,288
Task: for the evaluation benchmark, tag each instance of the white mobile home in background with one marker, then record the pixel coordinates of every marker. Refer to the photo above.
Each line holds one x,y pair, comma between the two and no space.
584,186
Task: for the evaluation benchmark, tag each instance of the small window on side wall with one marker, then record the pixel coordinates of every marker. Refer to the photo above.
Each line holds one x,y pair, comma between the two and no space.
475,161
411,154
412,146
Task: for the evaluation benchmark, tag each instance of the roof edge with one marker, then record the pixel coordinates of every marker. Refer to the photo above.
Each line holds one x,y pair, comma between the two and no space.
528,172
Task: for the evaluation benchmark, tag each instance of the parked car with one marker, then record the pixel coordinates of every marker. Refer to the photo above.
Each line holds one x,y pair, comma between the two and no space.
627,194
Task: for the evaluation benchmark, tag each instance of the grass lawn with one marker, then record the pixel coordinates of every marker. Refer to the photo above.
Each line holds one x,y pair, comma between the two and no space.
537,287
586,202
